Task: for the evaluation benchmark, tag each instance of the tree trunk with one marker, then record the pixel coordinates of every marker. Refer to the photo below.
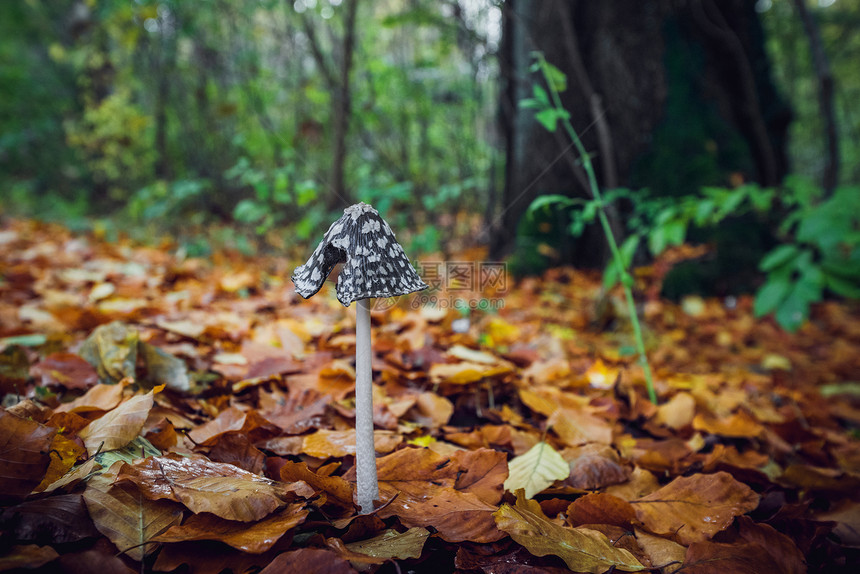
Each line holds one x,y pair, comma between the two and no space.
825,95
665,95
342,111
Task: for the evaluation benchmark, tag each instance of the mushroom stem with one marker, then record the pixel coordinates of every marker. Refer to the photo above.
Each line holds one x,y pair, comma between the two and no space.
365,454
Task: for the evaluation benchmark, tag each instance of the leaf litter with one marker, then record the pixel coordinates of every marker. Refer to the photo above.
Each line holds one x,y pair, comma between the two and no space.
162,413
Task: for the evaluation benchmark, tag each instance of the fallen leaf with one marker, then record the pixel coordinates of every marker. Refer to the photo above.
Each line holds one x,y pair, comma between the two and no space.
693,509
100,397
162,368
600,508
118,427
65,453
27,556
594,466
308,560
582,549
536,470
663,553
678,412
465,372
24,455
334,486
112,350
65,369
123,514
739,425
206,486
326,443
392,544
413,470
255,538
456,516
56,519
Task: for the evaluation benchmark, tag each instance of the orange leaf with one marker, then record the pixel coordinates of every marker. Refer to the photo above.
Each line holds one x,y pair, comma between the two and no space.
693,509
254,538
600,508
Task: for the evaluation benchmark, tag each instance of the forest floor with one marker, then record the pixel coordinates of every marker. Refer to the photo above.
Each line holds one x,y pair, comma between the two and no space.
165,414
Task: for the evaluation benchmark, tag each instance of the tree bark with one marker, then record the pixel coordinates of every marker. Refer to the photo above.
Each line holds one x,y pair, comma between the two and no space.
667,96
825,95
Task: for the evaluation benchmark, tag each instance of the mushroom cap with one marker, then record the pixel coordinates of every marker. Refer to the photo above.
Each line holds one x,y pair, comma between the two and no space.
374,263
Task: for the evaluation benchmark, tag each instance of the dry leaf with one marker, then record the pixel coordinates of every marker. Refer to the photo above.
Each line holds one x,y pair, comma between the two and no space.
255,537
393,544
24,458
206,486
582,549
536,470
128,518
120,426
693,509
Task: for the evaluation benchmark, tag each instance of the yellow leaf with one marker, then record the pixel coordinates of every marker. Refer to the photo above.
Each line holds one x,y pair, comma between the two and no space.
582,549
536,470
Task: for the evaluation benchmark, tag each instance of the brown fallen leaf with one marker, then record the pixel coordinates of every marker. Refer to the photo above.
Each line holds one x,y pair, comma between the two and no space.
582,549
254,538
693,509
24,455
236,449
739,425
411,470
600,508
393,544
594,466
641,483
662,552
205,486
101,397
65,369
55,519
308,560
328,443
677,412
27,556
457,516
128,518
120,426
337,489
720,558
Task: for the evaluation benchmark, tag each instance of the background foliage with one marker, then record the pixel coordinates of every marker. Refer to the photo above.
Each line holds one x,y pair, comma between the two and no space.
220,119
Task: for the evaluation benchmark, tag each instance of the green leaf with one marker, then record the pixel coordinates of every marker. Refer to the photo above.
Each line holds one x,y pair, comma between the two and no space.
33,340
548,118
842,286
536,470
778,257
793,310
541,96
770,296
835,389
550,201
555,77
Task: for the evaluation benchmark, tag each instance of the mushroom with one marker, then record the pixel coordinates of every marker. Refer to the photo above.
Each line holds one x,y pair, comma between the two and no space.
374,265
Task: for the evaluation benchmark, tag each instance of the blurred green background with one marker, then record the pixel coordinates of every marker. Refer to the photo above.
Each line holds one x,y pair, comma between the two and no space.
252,124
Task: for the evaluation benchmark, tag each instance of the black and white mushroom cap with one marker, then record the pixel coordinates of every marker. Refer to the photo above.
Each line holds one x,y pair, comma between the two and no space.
374,263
